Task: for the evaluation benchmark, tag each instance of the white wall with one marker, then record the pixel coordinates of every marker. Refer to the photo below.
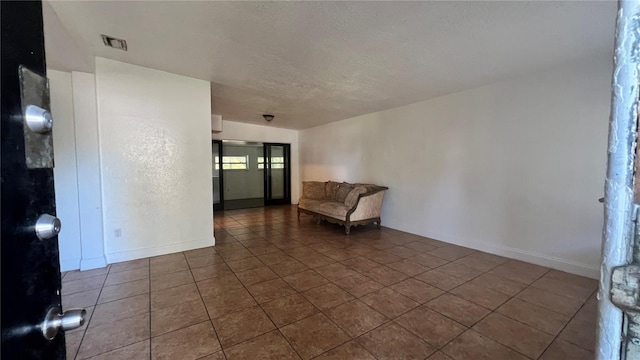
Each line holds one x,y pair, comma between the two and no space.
88,169
63,52
232,130
65,171
77,170
156,160
513,168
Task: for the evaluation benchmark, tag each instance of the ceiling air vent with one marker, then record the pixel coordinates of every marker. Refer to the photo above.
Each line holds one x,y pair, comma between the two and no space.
114,43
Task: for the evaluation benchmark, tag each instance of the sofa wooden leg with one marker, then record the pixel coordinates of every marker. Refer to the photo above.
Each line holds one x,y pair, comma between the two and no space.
347,229
318,220
378,224
298,215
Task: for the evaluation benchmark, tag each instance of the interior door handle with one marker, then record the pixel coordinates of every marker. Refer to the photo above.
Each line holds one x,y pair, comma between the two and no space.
56,320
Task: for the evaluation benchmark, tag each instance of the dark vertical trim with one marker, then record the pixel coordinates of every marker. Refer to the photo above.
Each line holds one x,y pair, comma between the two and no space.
268,193
287,160
266,173
219,206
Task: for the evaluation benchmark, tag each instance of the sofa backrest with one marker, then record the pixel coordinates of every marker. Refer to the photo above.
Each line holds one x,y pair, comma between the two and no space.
335,191
343,190
313,190
331,188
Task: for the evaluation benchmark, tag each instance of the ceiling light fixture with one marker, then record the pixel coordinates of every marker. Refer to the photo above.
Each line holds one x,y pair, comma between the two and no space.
268,117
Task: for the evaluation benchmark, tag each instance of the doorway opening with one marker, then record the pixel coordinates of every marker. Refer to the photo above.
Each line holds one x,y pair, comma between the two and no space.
250,174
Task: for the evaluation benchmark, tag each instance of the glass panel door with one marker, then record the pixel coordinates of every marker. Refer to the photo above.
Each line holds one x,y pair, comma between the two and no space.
277,174
243,179
216,149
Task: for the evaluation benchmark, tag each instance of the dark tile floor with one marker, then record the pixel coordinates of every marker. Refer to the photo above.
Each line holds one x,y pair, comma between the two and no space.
278,288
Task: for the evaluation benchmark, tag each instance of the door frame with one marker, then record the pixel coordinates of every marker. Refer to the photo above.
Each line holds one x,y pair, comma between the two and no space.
268,201
220,205
618,320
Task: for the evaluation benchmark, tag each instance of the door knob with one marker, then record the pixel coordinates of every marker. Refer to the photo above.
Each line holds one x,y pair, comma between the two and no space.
38,119
47,226
56,320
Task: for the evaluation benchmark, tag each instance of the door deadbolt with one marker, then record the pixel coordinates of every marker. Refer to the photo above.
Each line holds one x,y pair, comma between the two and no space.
47,226
38,119
56,320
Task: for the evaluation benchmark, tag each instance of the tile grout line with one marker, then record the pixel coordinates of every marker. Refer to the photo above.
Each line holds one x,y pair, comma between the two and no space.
262,309
389,320
128,297
195,283
320,311
299,293
470,328
266,231
85,290
451,289
356,298
553,293
557,337
513,297
554,337
84,333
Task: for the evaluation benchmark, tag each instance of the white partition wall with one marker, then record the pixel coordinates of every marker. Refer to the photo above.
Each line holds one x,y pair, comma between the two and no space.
77,170
155,150
65,169
89,170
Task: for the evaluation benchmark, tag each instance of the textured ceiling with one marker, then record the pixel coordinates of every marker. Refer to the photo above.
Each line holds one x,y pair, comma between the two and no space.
311,63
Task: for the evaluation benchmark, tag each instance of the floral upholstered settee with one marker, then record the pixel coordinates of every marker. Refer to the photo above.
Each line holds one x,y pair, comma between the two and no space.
342,203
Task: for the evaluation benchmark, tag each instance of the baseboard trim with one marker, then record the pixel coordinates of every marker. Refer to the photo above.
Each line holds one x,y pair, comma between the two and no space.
121,256
93,263
70,264
566,265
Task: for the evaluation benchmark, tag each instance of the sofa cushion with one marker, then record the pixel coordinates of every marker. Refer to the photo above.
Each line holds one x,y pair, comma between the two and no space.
352,197
333,209
343,190
330,190
313,190
309,204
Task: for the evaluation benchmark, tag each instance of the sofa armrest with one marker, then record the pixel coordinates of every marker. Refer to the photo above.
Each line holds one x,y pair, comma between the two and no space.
369,206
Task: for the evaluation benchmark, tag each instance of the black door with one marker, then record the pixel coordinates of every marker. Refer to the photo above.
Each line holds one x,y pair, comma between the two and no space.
217,178
30,264
277,174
